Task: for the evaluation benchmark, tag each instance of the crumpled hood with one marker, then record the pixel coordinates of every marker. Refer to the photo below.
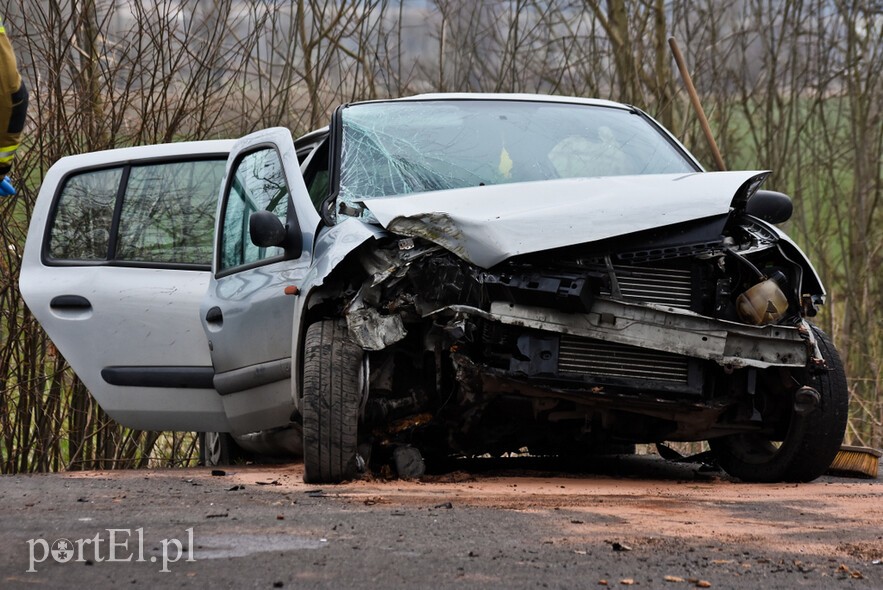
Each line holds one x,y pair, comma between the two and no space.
485,225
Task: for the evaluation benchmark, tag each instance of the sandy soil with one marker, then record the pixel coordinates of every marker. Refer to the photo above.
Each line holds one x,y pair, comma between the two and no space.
651,500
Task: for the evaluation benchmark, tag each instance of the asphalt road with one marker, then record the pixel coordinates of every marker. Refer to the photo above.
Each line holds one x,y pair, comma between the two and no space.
632,521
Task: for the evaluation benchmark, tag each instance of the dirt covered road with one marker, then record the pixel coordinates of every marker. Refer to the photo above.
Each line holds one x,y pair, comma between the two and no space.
630,521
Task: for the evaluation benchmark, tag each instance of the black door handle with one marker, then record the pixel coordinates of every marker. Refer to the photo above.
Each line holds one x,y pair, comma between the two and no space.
70,302
214,315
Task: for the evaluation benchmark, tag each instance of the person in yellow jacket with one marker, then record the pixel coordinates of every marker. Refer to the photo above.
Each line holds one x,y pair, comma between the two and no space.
13,109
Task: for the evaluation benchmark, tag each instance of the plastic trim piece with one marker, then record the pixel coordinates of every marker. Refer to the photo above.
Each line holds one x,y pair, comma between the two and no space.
252,376
161,377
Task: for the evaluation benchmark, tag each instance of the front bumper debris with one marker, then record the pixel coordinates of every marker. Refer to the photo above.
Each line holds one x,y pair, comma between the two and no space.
730,344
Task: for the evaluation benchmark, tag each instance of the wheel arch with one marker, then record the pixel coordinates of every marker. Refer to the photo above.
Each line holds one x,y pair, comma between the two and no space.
322,300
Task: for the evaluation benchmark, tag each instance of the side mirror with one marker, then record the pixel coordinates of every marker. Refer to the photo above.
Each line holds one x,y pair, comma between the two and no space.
267,231
770,206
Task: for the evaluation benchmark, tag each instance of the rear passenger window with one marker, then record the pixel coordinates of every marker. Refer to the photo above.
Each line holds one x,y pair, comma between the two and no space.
168,212
144,214
84,216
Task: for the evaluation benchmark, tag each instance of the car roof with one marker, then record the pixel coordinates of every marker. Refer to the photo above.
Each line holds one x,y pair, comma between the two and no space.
220,147
509,97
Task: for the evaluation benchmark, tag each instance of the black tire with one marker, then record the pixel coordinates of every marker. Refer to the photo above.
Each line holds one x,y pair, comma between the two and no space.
217,449
331,399
810,444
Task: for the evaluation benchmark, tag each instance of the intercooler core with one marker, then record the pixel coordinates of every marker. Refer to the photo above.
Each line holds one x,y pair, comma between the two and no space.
584,356
662,285
599,361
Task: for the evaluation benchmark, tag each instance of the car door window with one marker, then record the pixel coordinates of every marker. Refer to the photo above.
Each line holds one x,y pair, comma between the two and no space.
146,213
84,215
258,183
168,212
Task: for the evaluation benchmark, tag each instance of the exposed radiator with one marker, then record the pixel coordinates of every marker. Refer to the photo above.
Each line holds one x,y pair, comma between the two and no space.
663,285
585,356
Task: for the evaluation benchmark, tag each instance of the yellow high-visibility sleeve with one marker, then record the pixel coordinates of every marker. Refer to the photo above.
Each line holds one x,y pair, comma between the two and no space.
13,103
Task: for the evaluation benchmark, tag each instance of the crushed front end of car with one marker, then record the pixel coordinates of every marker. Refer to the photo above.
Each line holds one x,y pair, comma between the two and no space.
577,315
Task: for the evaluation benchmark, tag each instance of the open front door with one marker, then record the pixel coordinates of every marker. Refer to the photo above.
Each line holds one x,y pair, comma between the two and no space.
247,314
116,264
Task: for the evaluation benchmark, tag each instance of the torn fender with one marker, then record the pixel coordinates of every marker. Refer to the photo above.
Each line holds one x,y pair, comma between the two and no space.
370,329
333,245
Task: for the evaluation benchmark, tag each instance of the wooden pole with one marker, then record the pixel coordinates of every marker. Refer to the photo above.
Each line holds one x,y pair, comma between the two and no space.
697,106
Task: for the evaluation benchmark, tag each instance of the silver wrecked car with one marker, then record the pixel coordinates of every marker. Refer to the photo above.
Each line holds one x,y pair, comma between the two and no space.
446,274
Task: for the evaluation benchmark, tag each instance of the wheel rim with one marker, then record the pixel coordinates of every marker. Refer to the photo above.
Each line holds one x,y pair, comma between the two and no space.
753,449
213,448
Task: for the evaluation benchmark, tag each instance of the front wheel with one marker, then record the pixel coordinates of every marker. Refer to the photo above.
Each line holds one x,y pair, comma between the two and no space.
811,441
332,392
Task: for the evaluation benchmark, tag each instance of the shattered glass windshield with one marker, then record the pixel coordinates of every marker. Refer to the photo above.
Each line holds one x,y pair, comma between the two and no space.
399,148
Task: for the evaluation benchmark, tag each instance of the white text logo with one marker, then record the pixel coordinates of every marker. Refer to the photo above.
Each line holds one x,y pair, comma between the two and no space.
109,545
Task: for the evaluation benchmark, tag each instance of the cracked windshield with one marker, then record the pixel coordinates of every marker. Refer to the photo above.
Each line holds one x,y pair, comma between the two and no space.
402,148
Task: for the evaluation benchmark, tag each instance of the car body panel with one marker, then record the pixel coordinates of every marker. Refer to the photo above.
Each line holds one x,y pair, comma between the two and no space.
251,346
488,224
138,318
